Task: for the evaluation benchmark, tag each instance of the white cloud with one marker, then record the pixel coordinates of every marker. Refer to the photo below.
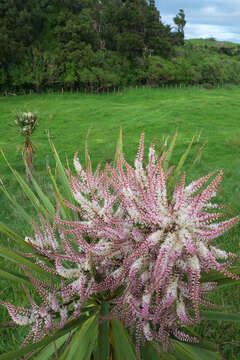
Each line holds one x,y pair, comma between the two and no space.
209,11
223,2
218,15
206,18
206,31
168,18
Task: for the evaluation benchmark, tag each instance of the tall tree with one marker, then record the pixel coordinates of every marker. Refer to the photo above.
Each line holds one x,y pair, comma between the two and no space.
131,28
152,3
180,22
158,38
77,42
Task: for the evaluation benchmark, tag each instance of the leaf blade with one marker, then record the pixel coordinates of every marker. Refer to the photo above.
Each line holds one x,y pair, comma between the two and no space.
62,174
21,260
45,200
184,157
194,352
220,316
13,276
47,352
15,354
103,342
83,341
170,152
122,347
119,146
14,236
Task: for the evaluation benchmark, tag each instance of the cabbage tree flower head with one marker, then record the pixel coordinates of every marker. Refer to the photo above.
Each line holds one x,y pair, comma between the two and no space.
135,237
154,243
174,244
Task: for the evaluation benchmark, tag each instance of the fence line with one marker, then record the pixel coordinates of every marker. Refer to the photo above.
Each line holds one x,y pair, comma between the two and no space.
119,89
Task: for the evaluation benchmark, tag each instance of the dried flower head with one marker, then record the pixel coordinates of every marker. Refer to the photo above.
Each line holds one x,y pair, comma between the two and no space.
27,122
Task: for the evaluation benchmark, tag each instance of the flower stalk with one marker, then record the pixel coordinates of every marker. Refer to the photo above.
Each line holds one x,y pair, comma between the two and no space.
27,122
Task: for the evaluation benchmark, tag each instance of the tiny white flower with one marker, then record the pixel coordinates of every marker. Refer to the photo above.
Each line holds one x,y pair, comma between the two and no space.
218,253
145,276
172,288
203,250
194,263
146,298
147,331
156,237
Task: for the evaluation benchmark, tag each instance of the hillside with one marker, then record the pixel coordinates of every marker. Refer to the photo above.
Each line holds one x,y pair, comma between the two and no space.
224,47
97,46
212,42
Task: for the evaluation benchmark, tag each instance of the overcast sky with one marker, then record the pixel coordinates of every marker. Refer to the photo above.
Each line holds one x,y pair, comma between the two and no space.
205,18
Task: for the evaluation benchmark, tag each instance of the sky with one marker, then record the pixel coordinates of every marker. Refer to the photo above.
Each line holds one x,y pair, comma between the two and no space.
205,18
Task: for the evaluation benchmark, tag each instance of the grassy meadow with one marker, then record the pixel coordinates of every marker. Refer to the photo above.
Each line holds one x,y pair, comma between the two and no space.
212,115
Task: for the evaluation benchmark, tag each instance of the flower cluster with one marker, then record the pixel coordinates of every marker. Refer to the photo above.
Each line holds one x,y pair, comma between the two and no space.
137,243
27,122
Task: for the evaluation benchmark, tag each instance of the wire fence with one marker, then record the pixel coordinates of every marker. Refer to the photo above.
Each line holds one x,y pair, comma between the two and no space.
117,89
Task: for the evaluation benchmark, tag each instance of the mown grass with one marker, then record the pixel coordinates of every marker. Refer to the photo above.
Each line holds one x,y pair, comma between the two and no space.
215,114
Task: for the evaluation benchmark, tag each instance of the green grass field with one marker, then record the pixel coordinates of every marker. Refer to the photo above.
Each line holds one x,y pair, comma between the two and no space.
215,114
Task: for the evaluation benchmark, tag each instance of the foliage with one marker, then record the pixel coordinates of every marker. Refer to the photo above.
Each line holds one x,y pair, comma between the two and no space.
49,44
180,22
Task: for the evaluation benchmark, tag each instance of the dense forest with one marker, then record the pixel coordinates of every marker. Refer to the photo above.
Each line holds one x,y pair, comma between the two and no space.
103,44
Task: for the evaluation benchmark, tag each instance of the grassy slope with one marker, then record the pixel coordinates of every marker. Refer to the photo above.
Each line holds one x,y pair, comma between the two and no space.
158,112
211,42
